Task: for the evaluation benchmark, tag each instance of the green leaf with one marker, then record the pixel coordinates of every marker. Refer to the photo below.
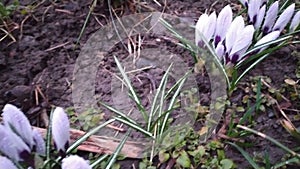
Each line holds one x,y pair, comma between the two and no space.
163,156
184,160
226,164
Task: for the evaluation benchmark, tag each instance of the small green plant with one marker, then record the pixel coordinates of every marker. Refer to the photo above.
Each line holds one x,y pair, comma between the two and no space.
6,11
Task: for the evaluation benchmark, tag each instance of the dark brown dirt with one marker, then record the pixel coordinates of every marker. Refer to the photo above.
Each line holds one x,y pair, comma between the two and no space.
45,53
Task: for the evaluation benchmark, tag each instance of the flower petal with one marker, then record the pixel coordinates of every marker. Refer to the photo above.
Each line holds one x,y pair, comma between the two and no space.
60,129
244,40
223,22
253,10
260,17
267,38
75,162
295,22
12,145
200,25
284,18
220,50
6,163
270,17
39,142
15,119
234,30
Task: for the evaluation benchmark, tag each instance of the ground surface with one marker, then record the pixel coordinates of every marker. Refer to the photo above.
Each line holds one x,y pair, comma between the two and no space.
44,54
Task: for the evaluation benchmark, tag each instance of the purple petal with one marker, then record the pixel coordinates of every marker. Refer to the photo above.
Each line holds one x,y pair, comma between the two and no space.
75,162
12,145
39,142
15,119
6,163
60,129
284,18
270,17
223,22
260,17
295,22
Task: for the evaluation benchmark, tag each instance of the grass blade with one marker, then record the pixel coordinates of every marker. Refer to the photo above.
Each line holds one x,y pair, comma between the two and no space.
246,155
99,160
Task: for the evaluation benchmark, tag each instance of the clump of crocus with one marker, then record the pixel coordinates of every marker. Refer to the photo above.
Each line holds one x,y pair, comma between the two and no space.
232,38
18,141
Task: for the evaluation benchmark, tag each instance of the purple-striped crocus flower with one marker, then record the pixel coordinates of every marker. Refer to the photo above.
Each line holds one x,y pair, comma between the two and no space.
5,163
223,22
284,18
12,146
295,22
270,18
15,120
206,26
75,162
60,129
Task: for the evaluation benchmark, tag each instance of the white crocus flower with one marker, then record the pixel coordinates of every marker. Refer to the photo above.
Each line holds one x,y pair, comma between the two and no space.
270,17
295,22
284,18
5,163
234,30
60,129
39,142
223,22
205,25
241,44
260,17
16,120
75,162
267,38
12,145
253,10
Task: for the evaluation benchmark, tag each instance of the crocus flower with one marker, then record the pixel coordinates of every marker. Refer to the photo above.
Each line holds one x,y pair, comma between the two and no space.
234,31
253,10
295,22
260,17
223,22
15,119
60,129
270,17
75,162
284,18
205,25
39,142
12,145
267,38
6,163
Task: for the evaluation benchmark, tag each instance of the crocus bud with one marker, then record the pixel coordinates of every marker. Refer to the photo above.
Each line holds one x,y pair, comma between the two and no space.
268,38
223,22
270,17
12,145
60,129
39,143
15,120
75,162
295,22
284,18
205,25
5,163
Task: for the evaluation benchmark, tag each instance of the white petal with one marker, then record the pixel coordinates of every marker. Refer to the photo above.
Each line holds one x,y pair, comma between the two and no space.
60,129
200,25
12,145
284,18
260,17
220,50
234,30
270,17
267,38
6,163
295,21
253,10
223,22
210,27
39,142
75,162
244,40
13,117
